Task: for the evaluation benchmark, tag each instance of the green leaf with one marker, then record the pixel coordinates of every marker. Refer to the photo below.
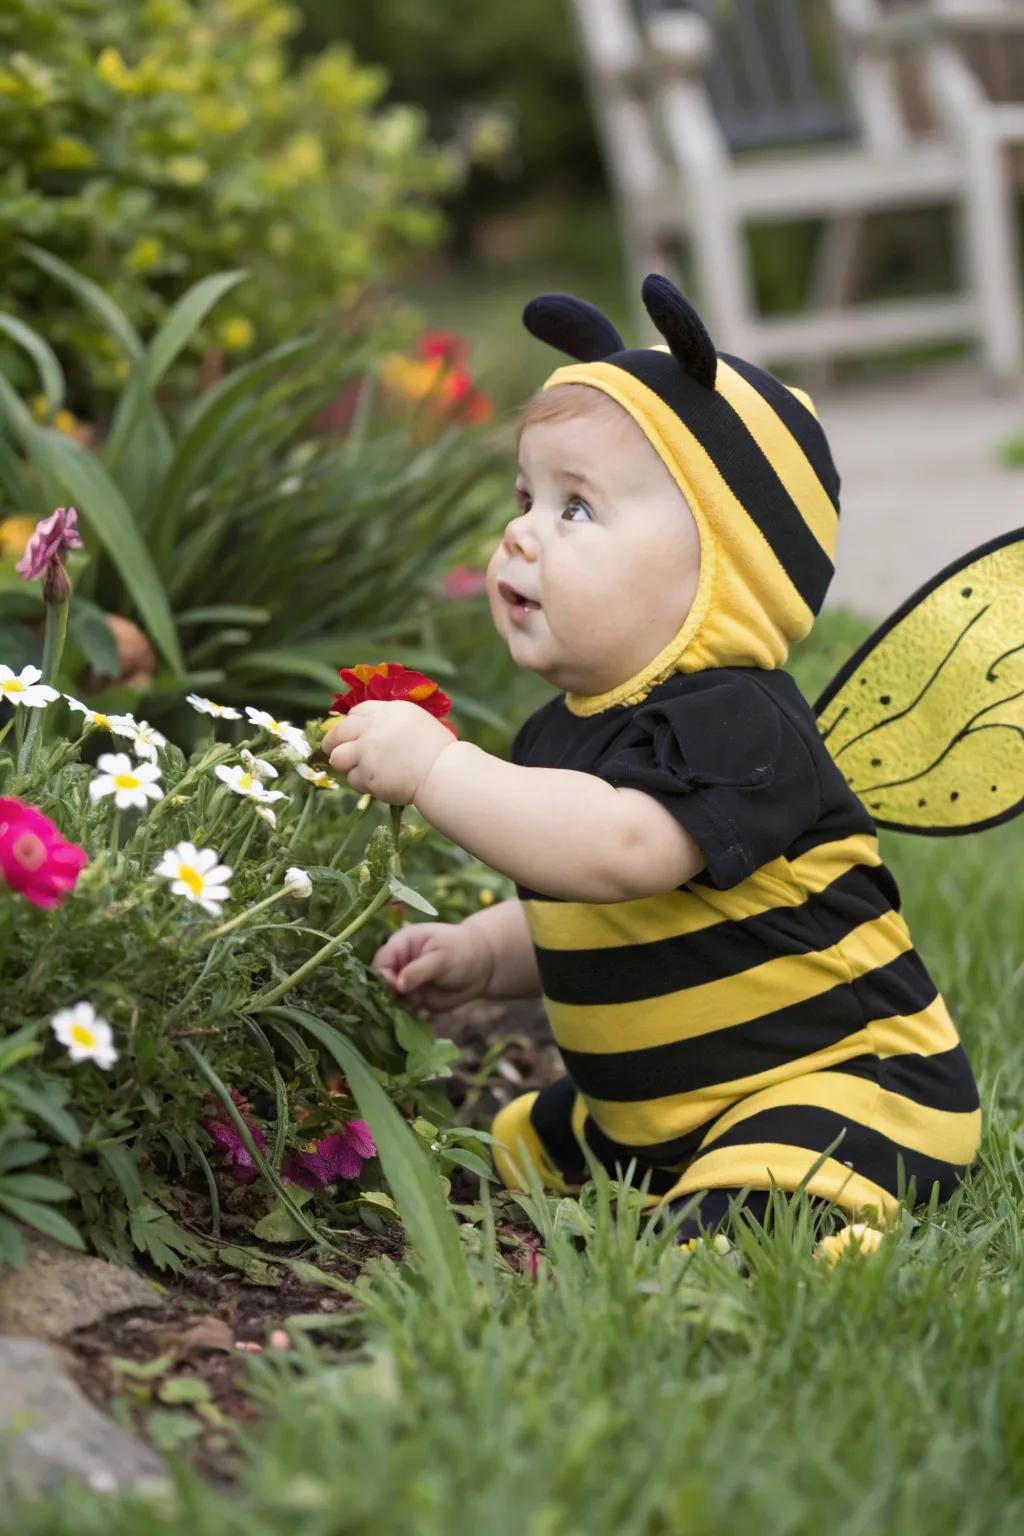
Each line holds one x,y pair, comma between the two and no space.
42,354
280,1226
251,1265
402,892
123,1166
471,1161
19,1153
12,1246
33,1186
310,1274
90,294
225,613
51,1222
45,1106
142,1370
110,518
184,1389
414,1182
184,320
91,633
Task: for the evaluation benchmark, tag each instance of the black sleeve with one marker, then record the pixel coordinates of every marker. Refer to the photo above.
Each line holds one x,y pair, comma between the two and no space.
730,766
519,751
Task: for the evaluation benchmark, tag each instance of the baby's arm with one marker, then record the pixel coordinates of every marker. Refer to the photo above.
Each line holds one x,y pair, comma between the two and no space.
502,928
555,830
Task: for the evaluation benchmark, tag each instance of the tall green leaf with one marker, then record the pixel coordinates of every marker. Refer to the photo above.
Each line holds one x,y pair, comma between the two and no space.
51,376
414,1183
91,295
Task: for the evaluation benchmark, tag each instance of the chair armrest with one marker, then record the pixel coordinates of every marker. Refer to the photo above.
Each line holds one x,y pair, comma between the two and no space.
678,43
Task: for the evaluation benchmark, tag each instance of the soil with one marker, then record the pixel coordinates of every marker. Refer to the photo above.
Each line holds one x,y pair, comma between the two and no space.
213,1319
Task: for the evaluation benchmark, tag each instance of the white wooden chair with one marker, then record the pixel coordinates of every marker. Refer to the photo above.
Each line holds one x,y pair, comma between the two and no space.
680,142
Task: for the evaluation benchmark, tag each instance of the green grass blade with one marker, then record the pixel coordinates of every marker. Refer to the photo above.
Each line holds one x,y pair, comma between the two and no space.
414,1183
91,295
184,320
51,375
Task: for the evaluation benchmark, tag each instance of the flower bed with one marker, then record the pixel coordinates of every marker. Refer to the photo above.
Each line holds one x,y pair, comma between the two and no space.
176,959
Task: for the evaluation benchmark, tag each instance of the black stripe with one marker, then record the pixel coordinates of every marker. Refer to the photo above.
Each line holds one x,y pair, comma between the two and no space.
850,820
658,1153
941,1081
866,1151
751,476
764,1044
634,973
551,1118
614,1158
801,422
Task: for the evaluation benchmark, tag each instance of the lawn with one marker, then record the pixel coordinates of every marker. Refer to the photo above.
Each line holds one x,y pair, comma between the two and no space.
627,1387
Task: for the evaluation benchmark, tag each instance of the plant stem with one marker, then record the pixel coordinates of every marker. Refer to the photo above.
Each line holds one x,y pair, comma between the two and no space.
233,922
115,833
264,999
53,648
303,815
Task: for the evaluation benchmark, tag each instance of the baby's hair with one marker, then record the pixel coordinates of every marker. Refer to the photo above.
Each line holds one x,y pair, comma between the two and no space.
562,402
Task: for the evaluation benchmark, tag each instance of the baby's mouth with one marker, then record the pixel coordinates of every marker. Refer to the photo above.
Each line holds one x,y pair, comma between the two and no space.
515,599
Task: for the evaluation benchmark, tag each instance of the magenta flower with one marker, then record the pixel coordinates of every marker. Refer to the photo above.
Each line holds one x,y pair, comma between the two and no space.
42,557
340,1156
464,581
225,1135
35,859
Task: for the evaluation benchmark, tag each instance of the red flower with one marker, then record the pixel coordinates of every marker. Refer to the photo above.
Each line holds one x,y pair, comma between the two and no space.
225,1134
35,858
390,680
444,345
340,1156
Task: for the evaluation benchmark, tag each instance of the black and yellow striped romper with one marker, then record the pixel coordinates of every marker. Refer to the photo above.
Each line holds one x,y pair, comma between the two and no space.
724,1033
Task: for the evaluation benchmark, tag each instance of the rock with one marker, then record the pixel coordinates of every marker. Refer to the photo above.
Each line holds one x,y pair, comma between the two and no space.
49,1431
58,1290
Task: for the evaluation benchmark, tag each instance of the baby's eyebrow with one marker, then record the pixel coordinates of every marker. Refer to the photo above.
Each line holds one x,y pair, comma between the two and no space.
570,476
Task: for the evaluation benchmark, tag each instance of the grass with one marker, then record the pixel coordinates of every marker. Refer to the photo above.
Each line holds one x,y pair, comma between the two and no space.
632,1388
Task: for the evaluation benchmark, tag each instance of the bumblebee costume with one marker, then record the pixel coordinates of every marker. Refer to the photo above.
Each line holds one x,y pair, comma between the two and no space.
769,1017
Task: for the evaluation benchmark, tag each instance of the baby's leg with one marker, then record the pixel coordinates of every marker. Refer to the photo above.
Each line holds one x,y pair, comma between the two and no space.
713,1210
540,1127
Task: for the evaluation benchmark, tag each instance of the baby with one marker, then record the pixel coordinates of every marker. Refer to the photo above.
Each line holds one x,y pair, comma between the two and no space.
700,896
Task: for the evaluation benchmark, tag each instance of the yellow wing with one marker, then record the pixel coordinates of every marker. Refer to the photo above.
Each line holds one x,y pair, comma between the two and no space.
926,720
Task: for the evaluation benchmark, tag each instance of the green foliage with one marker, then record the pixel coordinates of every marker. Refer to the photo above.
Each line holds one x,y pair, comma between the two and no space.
257,552
154,143
189,1005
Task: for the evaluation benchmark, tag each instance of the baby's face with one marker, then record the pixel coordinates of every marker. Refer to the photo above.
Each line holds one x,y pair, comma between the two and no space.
606,544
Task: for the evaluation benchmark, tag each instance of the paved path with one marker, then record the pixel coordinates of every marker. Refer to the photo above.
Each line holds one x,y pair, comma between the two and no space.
921,480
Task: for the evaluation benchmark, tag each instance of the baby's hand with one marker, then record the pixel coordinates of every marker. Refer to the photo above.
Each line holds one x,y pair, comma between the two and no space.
435,966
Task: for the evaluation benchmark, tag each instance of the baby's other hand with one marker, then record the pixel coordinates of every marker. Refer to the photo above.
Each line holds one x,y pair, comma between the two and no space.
435,967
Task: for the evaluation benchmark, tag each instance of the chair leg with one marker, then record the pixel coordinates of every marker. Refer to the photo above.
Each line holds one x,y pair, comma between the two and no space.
722,266
838,262
989,255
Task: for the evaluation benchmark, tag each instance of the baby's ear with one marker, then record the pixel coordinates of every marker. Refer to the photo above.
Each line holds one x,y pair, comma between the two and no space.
682,327
572,325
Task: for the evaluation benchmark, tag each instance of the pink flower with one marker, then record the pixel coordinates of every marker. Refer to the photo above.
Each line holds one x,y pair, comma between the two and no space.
35,858
464,581
225,1135
340,1156
51,537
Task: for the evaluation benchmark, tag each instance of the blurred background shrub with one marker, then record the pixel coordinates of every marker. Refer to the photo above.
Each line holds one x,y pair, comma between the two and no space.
151,142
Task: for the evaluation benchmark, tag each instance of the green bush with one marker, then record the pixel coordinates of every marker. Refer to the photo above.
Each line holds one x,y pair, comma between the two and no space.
153,143
257,552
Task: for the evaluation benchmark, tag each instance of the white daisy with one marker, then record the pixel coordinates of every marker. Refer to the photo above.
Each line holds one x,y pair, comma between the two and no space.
245,783
317,777
131,784
148,740
208,707
87,1037
258,765
298,882
269,816
196,875
25,688
119,725
295,743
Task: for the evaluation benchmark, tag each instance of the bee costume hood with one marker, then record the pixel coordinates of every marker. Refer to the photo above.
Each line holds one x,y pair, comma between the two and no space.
939,685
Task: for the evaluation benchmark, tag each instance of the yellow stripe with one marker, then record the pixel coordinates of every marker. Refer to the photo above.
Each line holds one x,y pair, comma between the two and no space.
514,1130
756,1164
940,1133
673,914
692,1011
644,1123
784,454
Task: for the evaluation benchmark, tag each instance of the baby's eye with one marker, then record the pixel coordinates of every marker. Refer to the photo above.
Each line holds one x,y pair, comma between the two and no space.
576,502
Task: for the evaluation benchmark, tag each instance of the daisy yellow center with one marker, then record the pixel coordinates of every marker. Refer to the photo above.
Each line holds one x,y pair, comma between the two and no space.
82,1036
274,725
126,781
245,782
14,686
30,851
103,720
192,878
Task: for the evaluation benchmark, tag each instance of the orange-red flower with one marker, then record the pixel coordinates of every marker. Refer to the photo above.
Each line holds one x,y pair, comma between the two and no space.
390,680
